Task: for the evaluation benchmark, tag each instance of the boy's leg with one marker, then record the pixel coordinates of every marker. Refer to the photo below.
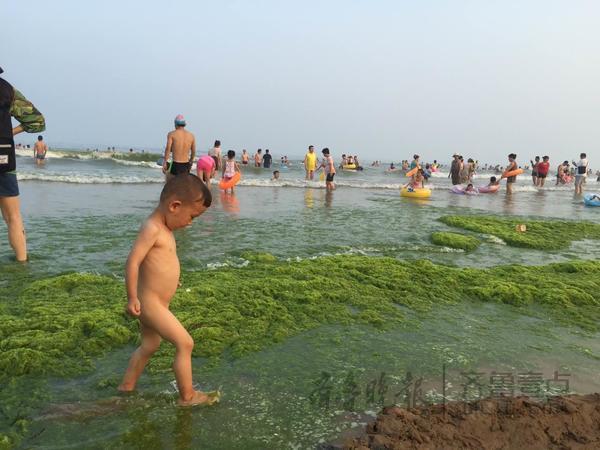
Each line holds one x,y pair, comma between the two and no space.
139,358
163,322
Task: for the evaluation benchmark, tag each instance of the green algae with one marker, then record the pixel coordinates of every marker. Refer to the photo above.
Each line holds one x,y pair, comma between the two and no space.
455,240
56,326
540,234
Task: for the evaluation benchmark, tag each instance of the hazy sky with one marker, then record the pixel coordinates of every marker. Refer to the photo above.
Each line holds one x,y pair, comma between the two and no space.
382,79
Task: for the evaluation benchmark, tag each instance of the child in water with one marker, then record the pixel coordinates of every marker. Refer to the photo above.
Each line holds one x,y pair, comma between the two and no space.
230,168
275,175
417,180
470,188
151,278
493,182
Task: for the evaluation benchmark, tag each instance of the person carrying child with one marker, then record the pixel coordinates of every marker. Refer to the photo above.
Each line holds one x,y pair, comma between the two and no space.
151,278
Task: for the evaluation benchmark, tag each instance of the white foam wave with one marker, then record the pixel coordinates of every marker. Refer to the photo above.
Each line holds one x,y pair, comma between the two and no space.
83,179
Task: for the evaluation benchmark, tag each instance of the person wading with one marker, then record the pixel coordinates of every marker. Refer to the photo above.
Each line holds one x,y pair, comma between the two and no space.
13,103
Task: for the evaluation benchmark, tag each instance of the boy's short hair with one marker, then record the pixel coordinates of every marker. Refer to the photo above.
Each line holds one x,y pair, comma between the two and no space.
231,154
186,187
217,143
546,157
513,155
40,137
583,155
275,171
492,179
325,151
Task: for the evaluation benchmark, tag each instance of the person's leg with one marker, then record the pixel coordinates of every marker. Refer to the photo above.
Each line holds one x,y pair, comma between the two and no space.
163,322
542,181
11,212
139,358
508,187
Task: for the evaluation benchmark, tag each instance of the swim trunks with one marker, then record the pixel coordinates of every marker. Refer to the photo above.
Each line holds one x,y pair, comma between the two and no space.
178,168
511,179
40,156
206,163
541,175
329,178
8,185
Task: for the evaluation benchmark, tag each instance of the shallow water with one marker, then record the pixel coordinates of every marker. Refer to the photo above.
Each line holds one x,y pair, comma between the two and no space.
90,226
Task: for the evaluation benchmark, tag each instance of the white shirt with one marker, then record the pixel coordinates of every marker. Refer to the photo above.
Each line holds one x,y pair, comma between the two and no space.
582,163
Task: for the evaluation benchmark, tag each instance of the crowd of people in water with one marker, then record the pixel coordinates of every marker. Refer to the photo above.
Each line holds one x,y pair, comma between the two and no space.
460,171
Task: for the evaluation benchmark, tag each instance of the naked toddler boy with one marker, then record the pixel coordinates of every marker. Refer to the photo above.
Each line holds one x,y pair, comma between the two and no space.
151,277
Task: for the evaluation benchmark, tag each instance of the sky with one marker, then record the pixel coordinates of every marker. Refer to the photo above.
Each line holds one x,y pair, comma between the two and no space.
381,79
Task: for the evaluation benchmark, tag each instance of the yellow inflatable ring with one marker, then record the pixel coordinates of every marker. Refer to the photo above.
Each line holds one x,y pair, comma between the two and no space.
415,193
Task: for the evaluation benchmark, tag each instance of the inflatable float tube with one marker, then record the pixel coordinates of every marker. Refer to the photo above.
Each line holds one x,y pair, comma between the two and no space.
488,189
411,172
587,199
226,184
349,167
512,173
415,193
460,190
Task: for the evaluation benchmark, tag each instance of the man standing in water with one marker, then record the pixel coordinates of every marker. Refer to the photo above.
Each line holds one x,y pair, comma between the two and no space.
455,170
182,144
310,163
13,103
39,151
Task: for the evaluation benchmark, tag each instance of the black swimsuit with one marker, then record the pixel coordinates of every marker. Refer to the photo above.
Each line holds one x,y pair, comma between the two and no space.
178,168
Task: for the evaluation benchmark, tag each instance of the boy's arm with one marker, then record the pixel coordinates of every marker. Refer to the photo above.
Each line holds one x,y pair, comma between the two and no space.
142,245
167,152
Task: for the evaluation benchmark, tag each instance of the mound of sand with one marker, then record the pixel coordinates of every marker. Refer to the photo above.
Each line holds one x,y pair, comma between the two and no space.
568,422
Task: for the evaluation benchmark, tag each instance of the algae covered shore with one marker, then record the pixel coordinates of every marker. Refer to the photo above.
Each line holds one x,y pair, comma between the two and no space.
55,326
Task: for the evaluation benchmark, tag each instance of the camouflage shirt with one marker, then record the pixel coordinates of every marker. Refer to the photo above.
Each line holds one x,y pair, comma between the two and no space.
28,116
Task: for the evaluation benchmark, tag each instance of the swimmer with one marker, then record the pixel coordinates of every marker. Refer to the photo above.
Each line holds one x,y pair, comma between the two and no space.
469,188
543,168
512,165
329,168
493,182
215,153
275,175
151,278
245,157
205,168
39,151
418,180
310,163
230,168
182,144
258,158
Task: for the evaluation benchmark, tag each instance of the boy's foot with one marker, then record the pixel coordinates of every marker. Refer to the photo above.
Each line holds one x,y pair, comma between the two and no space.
201,398
125,389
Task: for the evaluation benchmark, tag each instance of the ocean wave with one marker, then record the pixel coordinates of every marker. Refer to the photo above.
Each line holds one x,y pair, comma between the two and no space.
139,159
85,179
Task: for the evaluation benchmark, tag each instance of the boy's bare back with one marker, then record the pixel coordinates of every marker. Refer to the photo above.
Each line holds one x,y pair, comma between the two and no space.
182,144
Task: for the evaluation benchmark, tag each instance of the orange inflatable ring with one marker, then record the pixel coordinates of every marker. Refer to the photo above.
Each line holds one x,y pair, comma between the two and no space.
231,182
411,172
512,173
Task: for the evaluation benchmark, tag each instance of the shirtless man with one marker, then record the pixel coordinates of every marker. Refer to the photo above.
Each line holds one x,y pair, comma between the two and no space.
151,278
39,151
258,158
182,144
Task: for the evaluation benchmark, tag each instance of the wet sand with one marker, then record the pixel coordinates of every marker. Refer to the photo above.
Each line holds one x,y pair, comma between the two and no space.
564,422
